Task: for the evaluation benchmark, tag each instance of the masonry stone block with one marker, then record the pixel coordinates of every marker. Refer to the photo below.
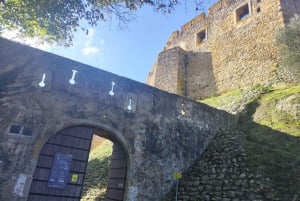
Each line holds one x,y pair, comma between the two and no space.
157,137
236,53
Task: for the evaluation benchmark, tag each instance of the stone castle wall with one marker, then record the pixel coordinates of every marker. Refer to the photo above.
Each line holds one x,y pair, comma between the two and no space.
243,52
200,79
160,132
170,75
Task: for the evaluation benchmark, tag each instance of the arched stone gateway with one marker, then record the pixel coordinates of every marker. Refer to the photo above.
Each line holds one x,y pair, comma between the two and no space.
62,162
43,96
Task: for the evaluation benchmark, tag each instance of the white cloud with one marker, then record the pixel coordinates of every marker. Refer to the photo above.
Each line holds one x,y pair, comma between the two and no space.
89,50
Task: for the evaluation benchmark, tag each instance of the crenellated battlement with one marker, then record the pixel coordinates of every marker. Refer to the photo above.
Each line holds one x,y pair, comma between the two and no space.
200,19
240,37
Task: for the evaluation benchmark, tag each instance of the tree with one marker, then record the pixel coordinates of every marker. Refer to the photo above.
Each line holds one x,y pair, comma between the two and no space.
54,21
288,39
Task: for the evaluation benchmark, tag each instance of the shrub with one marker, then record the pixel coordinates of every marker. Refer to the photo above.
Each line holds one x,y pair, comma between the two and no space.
288,39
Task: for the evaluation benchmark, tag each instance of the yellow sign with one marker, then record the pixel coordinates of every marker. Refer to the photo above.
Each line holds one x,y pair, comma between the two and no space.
74,178
177,175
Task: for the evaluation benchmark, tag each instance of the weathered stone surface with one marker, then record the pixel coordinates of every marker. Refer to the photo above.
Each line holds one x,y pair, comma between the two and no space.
233,180
235,53
162,133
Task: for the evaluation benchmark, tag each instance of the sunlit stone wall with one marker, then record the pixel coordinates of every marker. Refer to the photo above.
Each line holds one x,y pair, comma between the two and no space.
239,36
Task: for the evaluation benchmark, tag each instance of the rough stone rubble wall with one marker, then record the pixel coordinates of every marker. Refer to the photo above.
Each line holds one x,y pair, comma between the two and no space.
243,53
222,173
162,133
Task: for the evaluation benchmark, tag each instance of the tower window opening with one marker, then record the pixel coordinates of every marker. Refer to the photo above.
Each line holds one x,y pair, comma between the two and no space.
258,10
242,12
201,36
15,129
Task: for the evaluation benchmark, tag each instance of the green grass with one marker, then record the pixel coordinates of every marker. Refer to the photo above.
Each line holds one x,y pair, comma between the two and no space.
271,136
279,93
270,115
276,154
102,151
95,182
271,142
262,106
227,98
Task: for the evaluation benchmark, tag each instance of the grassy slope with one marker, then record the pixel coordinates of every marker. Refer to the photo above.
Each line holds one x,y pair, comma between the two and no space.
271,135
265,106
269,112
95,182
225,99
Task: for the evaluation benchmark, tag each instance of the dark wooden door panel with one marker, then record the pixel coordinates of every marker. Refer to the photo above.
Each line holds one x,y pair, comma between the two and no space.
74,142
117,174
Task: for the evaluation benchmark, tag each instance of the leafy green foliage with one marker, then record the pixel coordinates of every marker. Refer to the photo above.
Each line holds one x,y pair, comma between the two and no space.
288,39
54,21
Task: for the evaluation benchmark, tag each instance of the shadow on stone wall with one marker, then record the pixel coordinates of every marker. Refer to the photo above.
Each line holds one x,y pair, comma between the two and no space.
253,162
289,8
200,77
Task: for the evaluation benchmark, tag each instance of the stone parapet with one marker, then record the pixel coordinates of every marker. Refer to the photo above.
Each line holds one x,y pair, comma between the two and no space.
42,95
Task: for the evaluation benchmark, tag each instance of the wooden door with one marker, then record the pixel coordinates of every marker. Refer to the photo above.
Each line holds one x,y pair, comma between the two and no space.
117,174
61,166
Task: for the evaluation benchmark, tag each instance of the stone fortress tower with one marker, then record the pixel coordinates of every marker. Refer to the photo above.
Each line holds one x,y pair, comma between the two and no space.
233,46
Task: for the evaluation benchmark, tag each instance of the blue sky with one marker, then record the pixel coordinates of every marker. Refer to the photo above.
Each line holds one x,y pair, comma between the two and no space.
128,52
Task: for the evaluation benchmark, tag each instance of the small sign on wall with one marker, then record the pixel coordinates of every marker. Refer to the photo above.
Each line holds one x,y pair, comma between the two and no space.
74,178
60,171
20,184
